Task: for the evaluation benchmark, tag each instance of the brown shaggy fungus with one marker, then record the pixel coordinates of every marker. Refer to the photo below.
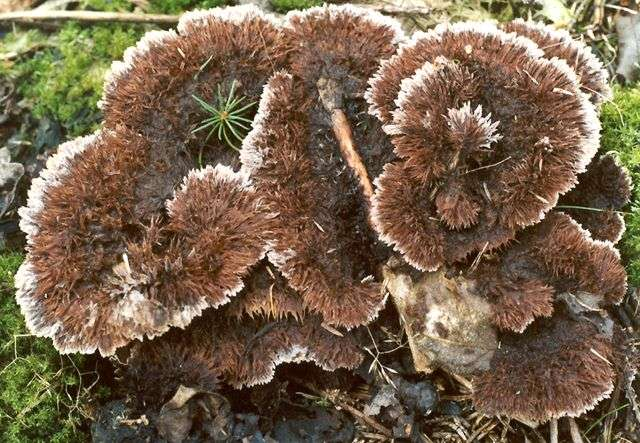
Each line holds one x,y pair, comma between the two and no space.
555,257
311,153
603,190
97,277
527,323
559,367
490,133
266,294
231,50
156,369
592,75
243,351
110,257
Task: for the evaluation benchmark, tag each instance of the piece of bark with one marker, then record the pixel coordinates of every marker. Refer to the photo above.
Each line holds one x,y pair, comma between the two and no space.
447,326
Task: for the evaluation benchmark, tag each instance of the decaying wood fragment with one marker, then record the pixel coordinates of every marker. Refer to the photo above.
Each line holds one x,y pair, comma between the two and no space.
447,326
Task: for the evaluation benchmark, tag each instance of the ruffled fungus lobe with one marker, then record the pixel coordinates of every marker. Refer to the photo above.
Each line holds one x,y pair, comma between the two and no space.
308,124
602,190
152,89
156,369
243,351
110,257
527,324
554,257
96,277
558,367
490,133
592,75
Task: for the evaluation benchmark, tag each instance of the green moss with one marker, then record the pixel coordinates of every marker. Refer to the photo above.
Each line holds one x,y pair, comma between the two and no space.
41,392
621,135
64,81
107,5
178,6
155,6
288,5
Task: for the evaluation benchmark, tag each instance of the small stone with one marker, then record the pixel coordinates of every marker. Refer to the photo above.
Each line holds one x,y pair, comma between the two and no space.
10,175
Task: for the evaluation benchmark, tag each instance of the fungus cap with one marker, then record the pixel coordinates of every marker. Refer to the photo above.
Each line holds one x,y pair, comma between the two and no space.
244,351
323,243
96,276
489,134
558,367
152,90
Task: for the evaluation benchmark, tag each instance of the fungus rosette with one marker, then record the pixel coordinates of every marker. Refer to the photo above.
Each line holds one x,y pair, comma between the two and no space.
96,277
323,242
113,254
152,90
547,293
489,133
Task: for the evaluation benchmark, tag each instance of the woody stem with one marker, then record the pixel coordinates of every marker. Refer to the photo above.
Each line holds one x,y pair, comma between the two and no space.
331,99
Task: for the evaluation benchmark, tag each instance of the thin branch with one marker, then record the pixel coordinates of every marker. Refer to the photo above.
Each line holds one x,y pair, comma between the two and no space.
43,15
342,130
553,430
331,98
575,431
40,16
398,10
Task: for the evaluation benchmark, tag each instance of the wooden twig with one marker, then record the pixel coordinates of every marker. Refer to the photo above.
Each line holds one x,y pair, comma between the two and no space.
398,10
40,16
553,430
47,15
331,98
575,431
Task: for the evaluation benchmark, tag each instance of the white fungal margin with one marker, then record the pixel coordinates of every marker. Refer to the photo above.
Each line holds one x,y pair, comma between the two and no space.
375,18
236,15
132,54
408,88
218,173
583,51
58,166
578,411
26,281
294,354
252,154
590,142
435,36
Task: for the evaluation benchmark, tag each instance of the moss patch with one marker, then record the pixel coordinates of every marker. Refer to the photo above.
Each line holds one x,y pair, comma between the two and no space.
178,6
64,80
621,135
155,6
288,5
42,394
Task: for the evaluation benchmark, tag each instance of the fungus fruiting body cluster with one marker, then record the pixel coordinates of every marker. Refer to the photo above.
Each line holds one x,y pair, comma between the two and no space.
467,148
496,131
